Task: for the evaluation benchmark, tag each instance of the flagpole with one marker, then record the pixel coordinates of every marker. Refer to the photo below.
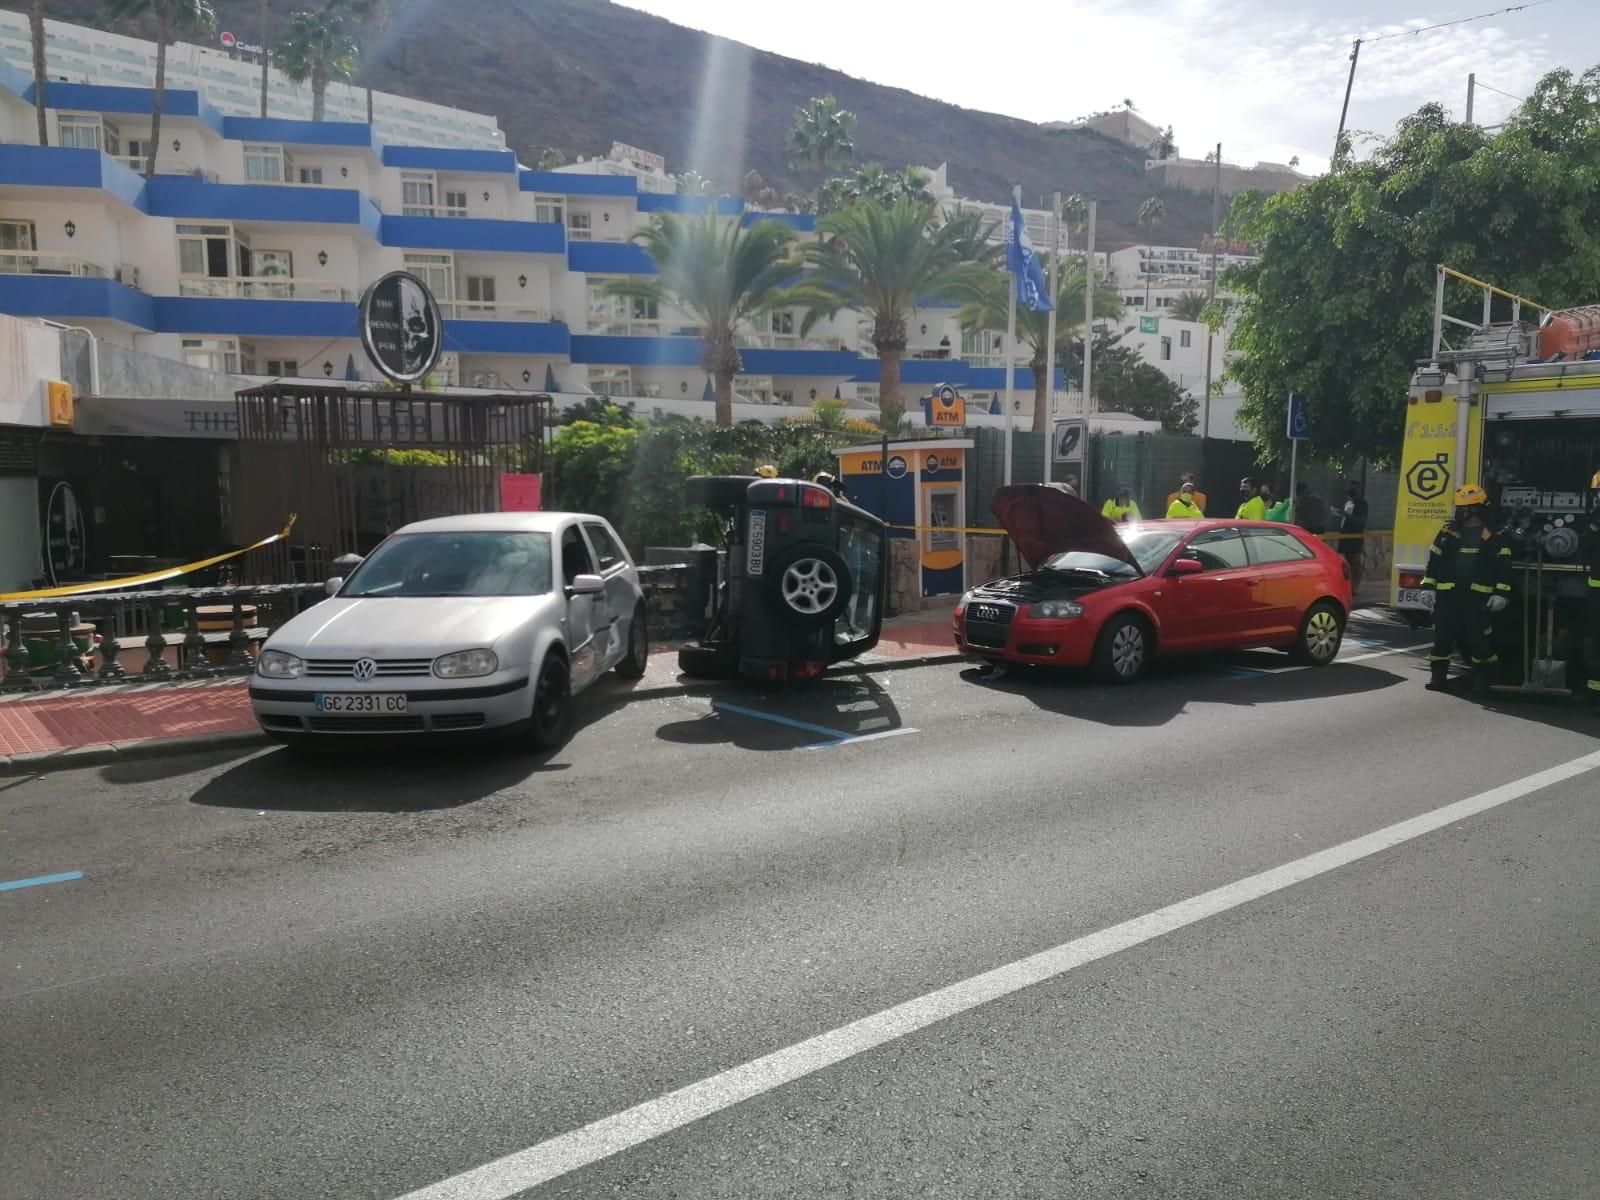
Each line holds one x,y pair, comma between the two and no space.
1011,337
1088,350
1046,423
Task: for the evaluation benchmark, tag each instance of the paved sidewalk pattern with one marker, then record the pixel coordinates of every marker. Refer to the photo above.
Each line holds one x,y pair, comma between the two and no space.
58,721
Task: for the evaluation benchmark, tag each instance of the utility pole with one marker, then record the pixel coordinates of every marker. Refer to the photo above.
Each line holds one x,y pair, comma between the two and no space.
1472,86
263,40
1044,423
1216,209
1355,53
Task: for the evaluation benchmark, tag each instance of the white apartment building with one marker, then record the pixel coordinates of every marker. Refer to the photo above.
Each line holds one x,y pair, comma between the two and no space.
1169,270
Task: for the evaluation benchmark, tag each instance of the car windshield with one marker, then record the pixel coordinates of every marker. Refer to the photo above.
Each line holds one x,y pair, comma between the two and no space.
455,564
1149,547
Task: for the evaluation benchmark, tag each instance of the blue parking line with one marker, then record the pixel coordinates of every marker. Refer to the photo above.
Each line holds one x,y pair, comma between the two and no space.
12,885
806,726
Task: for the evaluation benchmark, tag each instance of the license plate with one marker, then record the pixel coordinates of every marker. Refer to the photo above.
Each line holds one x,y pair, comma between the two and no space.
756,557
361,702
1414,598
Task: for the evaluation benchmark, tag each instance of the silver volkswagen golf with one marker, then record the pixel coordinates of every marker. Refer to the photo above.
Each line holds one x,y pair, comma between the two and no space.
462,623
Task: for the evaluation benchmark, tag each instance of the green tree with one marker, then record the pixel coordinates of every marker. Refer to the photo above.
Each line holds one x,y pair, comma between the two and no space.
550,158
320,46
874,181
597,410
1124,382
1189,306
172,17
822,137
1074,215
1339,305
721,276
1151,213
987,308
1162,145
590,465
40,73
882,261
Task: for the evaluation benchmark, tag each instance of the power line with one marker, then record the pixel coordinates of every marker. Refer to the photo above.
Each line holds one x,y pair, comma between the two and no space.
1485,87
1459,21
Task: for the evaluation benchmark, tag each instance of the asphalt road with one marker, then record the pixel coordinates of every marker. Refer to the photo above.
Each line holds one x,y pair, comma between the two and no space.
362,977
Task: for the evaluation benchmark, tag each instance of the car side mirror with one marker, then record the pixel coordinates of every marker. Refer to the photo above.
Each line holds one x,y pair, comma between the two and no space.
1187,566
333,585
586,585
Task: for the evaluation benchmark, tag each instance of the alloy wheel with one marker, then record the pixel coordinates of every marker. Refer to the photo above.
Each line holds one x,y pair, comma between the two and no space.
809,586
1127,651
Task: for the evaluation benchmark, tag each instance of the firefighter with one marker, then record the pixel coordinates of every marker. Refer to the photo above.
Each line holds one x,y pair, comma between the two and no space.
1469,572
1589,552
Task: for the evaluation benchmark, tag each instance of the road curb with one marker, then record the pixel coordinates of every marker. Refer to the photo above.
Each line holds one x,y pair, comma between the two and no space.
71,758
897,663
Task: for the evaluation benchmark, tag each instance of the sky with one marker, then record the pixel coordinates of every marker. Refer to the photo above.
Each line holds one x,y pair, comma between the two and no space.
1264,77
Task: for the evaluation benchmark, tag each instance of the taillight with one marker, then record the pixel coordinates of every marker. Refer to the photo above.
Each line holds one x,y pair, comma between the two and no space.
816,497
1410,579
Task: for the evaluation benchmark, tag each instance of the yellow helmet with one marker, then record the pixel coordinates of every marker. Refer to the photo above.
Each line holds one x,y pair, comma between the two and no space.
1469,495
1594,483
767,471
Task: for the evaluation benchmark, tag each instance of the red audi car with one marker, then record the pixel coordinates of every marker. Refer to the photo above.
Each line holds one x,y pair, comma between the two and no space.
1114,596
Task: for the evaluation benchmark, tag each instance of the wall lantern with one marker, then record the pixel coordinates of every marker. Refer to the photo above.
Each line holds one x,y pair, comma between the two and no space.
322,258
683,386
486,195
605,216
327,369
924,331
176,145
527,375
522,281
71,228
813,393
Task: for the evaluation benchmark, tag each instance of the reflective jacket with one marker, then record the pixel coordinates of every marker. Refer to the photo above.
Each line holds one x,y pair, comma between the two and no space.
1458,563
1253,509
1589,555
1181,509
1113,511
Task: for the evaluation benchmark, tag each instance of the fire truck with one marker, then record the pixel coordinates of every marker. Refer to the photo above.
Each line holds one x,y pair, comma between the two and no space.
1512,404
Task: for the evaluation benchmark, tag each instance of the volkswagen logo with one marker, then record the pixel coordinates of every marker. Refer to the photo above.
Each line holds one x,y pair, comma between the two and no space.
365,668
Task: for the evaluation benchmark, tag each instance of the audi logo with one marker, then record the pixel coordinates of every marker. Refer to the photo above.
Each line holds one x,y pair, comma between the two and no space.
984,612
365,668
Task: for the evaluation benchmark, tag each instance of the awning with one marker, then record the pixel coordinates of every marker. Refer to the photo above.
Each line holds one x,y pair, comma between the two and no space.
154,416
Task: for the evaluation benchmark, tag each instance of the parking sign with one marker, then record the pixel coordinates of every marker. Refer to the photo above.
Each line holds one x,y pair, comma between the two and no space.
1299,417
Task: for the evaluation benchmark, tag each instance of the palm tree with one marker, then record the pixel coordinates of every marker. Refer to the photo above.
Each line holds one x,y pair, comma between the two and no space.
823,136
36,33
262,40
1074,215
376,14
318,47
1162,145
721,276
172,17
1151,213
1190,306
874,181
973,236
692,183
987,307
882,261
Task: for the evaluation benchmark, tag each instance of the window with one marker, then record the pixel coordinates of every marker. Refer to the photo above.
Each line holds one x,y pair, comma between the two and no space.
1166,349
1184,338
416,193
213,354
605,546
861,545
1218,550
264,164
1275,546
610,381
455,564
310,174
480,291
282,368
549,208
86,131
15,236
435,270
575,558
136,150
642,308
211,252
455,204
578,226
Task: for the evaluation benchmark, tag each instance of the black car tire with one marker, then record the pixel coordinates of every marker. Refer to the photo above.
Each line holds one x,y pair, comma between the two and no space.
550,722
638,656
1122,651
716,491
1316,644
1416,619
808,584
717,661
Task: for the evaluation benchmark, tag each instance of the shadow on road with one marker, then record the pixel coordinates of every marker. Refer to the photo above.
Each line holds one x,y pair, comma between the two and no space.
807,714
1250,679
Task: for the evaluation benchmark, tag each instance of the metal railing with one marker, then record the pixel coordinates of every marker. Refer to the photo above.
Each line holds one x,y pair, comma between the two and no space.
79,641
491,310
264,287
165,166
28,262
431,210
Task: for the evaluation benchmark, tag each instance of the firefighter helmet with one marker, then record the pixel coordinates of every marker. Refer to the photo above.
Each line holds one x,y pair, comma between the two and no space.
1469,495
766,471
1594,483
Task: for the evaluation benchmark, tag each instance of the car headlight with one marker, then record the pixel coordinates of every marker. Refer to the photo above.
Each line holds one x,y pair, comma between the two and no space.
1056,609
464,664
280,664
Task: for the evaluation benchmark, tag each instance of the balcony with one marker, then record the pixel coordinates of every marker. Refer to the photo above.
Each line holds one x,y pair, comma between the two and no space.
787,341
165,166
26,262
475,233
265,287
489,310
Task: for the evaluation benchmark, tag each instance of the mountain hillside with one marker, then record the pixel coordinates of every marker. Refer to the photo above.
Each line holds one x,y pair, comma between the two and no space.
578,74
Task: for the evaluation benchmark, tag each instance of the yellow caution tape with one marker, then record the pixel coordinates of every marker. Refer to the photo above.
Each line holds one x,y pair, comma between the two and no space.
947,529
117,585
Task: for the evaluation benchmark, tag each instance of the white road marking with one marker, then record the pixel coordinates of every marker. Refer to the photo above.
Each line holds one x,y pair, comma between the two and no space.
568,1152
1381,653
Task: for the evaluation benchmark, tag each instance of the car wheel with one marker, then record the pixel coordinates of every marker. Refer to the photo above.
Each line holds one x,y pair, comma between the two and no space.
716,491
717,661
1321,631
1122,652
638,656
809,584
551,720
1416,619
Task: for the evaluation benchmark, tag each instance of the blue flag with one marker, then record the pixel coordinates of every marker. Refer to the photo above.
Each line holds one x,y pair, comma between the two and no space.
1032,290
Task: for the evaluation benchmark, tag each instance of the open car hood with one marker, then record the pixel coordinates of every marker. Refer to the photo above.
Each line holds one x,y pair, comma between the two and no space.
1045,519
